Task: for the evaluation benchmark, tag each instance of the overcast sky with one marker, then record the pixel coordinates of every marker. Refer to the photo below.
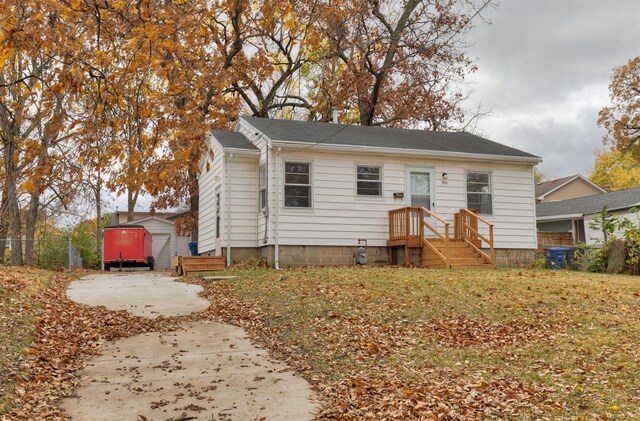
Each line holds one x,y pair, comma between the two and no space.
544,68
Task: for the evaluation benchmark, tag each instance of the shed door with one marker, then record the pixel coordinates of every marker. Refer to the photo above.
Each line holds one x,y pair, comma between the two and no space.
162,251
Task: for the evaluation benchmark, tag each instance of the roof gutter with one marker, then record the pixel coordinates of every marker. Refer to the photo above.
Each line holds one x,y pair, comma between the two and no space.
407,152
228,215
551,218
237,151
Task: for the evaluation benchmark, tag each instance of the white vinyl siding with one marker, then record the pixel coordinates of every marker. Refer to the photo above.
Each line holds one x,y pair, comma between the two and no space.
244,202
339,217
594,236
261,141
209,182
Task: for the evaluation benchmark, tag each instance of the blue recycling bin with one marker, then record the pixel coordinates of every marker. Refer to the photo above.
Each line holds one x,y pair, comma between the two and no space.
193,248
557,257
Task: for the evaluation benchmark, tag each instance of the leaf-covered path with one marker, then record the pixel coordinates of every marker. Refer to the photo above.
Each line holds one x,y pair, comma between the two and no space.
203,368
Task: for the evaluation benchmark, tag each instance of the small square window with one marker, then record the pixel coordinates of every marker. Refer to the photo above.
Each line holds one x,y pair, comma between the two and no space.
369,180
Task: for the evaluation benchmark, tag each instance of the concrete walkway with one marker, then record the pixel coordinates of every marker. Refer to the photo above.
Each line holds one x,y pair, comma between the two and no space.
210,371
146,294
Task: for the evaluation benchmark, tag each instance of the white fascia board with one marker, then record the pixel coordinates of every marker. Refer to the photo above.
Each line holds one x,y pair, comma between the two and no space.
552,218
149,218
407,152
252,128
235,151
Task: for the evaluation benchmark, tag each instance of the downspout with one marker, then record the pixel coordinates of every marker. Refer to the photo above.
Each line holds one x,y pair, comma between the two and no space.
276,215
228,239
266,193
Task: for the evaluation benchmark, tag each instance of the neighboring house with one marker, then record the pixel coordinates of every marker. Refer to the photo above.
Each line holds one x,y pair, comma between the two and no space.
120,217
565,188
165,242
299,193
576,215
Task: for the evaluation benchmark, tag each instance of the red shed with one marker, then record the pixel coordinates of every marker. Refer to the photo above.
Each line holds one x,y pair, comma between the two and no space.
127,246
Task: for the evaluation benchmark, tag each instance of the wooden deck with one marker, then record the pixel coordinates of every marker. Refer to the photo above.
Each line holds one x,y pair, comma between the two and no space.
407,229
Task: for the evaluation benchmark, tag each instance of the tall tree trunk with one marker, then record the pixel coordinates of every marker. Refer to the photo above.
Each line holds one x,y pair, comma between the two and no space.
99,219
4,229
132,198
30,229
13,207
15,228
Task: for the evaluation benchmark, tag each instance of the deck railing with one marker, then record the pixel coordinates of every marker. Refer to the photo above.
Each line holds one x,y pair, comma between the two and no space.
407,227
466,228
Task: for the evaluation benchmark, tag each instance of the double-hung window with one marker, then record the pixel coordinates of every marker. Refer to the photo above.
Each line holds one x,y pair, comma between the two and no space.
479,192
262,179
297,185
369,180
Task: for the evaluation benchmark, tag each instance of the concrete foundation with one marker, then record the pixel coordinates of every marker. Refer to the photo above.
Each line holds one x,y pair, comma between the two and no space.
508,258
345,255
242,254
322,255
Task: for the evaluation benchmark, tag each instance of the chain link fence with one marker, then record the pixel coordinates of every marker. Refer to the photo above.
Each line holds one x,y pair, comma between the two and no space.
52,253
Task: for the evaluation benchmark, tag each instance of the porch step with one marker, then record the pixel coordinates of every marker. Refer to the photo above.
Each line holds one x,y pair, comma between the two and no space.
461,256
452,243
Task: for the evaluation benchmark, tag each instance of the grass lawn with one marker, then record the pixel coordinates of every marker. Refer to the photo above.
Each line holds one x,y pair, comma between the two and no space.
415,343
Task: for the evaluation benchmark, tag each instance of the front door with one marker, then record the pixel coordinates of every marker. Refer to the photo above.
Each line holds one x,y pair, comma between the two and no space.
420,191
420,188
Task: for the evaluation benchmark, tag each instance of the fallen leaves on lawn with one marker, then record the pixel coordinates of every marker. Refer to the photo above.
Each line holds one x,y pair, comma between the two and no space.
374,390
65,335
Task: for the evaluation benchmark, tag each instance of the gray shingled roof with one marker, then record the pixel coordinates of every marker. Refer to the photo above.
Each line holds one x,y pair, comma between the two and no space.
622,199
233,140
352,135
545,187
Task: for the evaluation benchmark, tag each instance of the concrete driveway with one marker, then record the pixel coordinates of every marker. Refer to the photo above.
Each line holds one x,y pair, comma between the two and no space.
146,294
208,370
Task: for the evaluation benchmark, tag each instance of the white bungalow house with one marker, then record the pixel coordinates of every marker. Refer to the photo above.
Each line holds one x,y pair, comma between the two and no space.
303,193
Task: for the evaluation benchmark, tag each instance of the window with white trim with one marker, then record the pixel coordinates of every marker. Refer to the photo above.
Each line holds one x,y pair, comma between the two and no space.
262,180
297,185
369,180
480,192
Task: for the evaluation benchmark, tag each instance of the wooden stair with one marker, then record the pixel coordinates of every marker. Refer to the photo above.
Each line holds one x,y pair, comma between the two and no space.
187,264
461,256
409,229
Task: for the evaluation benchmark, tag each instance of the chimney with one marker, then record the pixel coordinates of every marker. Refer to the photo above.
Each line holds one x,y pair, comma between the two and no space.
335,114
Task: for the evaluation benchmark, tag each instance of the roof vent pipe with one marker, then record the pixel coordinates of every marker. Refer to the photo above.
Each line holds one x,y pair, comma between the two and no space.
335,114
